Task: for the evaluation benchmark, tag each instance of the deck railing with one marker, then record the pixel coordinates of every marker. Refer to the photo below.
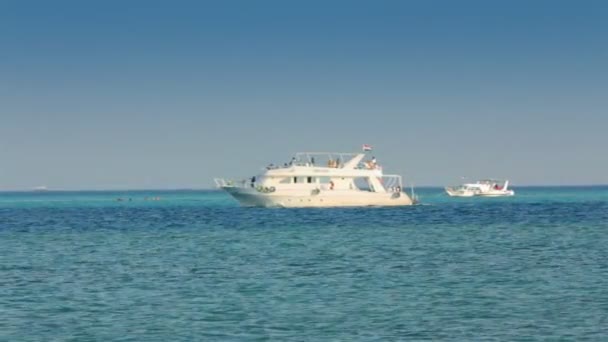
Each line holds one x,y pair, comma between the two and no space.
392,183
228,183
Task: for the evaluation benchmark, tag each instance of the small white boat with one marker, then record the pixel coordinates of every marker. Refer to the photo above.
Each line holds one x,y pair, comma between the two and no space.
484,188
320,180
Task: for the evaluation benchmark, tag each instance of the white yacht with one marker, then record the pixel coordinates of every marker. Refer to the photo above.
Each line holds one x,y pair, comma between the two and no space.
315,179
486,187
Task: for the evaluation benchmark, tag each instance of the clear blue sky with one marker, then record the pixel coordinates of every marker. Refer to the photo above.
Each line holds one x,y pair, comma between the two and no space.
165,94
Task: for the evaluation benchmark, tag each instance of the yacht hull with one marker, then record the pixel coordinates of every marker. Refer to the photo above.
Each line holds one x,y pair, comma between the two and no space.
250,197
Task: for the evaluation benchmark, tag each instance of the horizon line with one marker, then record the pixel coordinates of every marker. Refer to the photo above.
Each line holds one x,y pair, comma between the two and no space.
218,189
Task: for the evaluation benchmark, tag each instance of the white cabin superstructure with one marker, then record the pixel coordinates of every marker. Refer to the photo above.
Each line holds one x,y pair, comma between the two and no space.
320,179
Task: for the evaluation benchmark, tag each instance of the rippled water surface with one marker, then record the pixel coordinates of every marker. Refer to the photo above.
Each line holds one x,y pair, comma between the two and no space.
195,266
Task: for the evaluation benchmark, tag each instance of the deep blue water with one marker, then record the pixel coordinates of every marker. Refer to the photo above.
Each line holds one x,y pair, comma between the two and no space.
195,266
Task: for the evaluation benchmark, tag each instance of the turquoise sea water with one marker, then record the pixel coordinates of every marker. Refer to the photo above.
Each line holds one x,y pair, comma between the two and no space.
193,265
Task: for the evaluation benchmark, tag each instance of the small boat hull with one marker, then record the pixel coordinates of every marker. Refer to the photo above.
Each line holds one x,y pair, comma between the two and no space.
499,194
459,192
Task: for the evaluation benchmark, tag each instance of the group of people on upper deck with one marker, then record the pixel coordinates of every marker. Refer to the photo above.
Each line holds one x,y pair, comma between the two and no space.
371,164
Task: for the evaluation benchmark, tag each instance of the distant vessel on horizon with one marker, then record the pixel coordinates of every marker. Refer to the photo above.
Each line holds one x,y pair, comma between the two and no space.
321,179
40,188
485,188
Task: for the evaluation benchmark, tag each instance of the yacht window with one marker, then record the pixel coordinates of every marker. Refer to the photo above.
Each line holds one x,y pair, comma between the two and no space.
285,181
295,179
309,179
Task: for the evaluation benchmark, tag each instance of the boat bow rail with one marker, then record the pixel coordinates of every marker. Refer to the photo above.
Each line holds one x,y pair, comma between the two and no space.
392,183
228,183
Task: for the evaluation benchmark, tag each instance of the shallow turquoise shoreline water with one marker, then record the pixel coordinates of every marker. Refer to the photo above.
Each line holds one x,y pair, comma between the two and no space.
194,266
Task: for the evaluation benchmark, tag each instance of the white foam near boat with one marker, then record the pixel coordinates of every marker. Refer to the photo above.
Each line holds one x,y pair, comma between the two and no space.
321,179
486,188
